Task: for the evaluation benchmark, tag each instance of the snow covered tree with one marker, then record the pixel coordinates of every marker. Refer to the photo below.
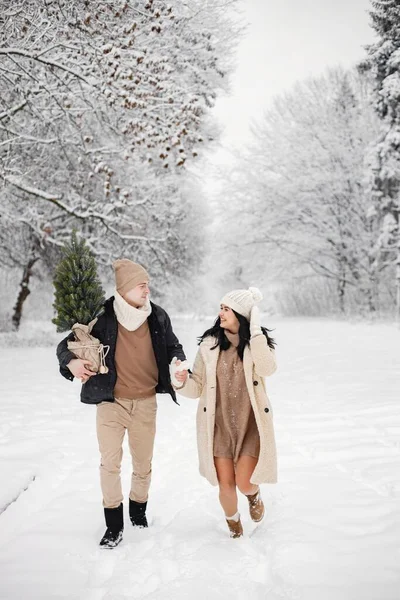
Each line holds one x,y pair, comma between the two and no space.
79,296
297,201
21,248
383,62
100,114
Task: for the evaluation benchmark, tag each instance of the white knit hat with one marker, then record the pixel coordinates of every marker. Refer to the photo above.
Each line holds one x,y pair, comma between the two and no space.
242,301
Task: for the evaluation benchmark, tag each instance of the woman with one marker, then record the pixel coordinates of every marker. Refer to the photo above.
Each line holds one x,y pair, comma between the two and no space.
235,434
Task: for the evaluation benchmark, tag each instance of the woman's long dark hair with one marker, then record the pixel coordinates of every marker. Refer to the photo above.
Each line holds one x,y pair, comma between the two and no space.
222,341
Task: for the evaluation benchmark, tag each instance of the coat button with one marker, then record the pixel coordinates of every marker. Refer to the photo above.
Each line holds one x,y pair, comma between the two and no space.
204,409
255,382
266,409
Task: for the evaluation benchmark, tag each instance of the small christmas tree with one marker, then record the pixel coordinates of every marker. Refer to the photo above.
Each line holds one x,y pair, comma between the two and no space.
79,296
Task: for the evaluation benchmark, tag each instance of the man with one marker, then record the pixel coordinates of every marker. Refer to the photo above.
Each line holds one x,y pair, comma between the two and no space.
142,345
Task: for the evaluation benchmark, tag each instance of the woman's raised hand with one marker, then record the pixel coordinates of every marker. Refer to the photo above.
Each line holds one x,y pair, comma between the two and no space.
255,326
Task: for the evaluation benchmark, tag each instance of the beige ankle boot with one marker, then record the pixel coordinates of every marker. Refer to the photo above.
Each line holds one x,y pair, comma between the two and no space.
235,528
256,506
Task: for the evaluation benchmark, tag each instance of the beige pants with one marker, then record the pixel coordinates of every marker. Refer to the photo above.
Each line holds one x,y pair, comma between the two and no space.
138,417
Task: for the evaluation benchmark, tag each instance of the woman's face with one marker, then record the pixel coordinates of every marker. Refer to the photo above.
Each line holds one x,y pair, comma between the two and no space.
228,319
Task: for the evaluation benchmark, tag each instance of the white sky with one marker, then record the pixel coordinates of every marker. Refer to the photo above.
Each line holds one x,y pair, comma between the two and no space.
288,40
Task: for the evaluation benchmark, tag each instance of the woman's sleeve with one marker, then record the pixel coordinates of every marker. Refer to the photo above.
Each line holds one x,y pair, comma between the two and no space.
263,356
194,384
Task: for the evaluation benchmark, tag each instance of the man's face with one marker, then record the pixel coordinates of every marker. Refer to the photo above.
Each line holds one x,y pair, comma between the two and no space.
137,296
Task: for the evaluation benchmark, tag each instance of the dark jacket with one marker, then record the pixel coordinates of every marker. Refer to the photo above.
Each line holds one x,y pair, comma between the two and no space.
100,388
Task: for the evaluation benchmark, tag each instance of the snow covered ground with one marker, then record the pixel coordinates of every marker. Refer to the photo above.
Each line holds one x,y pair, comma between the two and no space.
332,525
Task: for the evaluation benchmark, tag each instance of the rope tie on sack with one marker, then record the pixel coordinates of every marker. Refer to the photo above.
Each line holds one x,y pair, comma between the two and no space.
100,348
103,368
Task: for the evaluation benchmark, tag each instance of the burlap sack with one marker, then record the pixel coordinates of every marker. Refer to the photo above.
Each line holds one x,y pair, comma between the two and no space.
89,348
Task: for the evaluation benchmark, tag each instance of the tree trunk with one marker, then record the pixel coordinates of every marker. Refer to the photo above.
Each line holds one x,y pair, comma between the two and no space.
371,300
341,285
23,293
341,289
370,288
370,292
398,283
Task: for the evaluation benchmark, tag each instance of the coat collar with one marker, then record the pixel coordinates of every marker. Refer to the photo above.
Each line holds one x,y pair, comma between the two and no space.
210,354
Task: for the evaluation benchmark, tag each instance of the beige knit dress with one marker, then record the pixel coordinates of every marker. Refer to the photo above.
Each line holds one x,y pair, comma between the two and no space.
235,432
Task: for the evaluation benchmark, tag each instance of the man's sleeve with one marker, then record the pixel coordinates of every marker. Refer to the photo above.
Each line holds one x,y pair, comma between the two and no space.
65,356
174,348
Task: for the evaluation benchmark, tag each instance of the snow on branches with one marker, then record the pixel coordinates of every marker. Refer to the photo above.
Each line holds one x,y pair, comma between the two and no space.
101,104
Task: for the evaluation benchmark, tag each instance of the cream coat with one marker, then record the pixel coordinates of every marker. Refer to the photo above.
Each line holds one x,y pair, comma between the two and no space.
258,362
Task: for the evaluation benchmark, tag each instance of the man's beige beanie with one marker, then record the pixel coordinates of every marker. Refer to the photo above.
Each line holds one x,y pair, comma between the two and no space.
128,275
242,301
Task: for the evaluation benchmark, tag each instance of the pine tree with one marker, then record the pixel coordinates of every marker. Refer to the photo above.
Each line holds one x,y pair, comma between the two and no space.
79,296
384,65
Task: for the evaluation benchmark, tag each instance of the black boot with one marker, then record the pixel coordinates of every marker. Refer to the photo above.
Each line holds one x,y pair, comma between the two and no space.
137,513
115,527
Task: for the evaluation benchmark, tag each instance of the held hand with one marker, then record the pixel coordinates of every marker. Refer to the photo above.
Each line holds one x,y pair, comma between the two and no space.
255,326
178,372
181,376
80,369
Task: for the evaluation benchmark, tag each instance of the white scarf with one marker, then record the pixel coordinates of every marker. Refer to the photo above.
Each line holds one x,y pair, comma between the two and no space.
130,317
